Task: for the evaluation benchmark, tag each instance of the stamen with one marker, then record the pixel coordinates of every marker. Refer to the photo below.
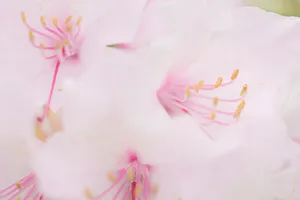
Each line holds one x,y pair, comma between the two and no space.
219,82
133,180
68,19
78,21
22,190
88,193
61,40
244,90
180,99
54,21
43,22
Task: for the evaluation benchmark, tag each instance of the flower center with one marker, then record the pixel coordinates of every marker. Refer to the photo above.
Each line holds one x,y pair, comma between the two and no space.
58,42
189,99
131,182
26,187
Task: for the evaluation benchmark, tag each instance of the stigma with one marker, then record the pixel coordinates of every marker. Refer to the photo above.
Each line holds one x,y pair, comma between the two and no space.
58,41
131,182
24,189
190,99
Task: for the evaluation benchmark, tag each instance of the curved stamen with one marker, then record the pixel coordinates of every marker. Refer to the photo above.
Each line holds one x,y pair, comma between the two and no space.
15,190
180,99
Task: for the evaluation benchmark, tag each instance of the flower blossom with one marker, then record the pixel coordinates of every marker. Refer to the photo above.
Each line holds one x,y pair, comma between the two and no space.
63,32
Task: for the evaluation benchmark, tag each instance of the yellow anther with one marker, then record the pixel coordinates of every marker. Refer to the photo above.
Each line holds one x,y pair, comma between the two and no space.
23,17
138,190
215,101
69,27
187,92
39,133
196,88
154,189
200,84
18,198
78,20
57,45
68,19
244,90
42,46
65,42
235,74
241,105
19,185
43,22
219,82
60,89
212,116
237,114
130,174
54,21
31,36
88,193
111,177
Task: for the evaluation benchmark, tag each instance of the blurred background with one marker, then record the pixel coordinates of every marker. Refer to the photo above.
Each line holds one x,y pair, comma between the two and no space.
282,7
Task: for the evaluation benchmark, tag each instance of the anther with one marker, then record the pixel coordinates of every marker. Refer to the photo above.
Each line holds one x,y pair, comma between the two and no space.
200,84
130,174
65,42
212,116
237,114
23,17
215,101
187,92
19,185
54,21
138,190
68,19
42,46
88,193
57,45
154,189
78,21
43,22
111,177
235,74
244,90
196,88
241,105
219,82
69,27
31,36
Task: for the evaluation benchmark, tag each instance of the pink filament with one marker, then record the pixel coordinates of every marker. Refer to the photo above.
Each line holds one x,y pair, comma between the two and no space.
140,170
57,35
12,191
172,97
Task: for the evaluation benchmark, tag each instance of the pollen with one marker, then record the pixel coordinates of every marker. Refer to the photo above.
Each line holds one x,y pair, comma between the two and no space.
195,100
57,40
